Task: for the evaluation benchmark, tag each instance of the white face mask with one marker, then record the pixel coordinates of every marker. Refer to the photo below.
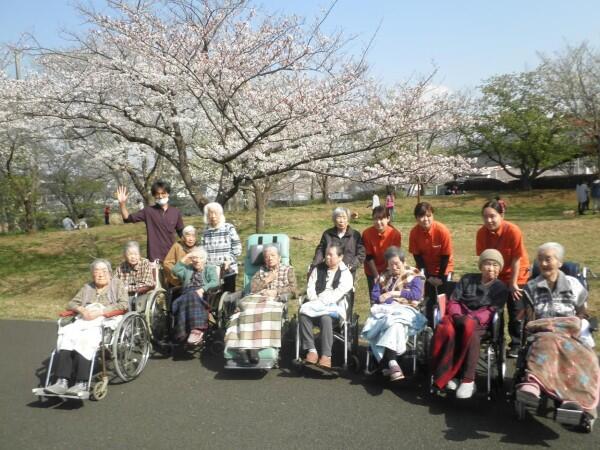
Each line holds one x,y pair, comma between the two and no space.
162,201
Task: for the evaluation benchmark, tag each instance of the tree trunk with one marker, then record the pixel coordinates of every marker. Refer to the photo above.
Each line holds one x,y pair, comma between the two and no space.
323,181
262,192
525,182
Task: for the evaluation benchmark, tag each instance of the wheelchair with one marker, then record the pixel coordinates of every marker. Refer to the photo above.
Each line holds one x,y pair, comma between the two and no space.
548,405
344,332
417,352
492,359
128,347
156,309
269,357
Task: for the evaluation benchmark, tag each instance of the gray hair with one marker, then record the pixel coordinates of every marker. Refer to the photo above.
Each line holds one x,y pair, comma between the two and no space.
392,252
339,211
131,245
200,252
214,206
188,230
100,262
558,249
271,247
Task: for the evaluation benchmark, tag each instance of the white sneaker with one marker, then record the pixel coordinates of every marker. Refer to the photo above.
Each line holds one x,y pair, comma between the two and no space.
78,388
465,390
58,388
452,384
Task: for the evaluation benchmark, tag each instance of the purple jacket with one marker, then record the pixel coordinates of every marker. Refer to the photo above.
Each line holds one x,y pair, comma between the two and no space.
412,291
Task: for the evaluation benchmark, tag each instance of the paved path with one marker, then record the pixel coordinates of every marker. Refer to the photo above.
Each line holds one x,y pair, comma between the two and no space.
190,403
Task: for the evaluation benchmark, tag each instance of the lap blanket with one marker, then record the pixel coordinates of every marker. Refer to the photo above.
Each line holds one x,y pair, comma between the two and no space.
389,325
84,336
565,368
256,325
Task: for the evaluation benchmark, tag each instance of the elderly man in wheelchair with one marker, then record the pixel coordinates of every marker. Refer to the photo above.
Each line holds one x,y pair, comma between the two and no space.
98,306
256,322
557,361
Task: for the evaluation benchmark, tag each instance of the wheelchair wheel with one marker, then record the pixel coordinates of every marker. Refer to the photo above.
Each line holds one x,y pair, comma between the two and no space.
131,346
100,390
157,317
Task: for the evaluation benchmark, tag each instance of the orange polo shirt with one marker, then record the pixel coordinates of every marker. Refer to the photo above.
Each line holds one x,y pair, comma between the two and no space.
431,245
377,243
508,240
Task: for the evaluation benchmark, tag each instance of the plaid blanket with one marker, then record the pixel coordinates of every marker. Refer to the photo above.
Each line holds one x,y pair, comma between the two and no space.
564,367
190,311
256,325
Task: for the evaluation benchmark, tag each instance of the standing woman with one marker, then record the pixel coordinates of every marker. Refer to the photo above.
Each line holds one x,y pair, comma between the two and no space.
507,238
345,237
222,243
389,204
431,245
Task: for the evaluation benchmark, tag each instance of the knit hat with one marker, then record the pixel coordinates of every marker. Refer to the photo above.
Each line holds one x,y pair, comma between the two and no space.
491,255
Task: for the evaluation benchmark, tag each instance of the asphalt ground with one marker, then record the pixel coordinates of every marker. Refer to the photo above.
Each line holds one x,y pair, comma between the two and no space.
192,402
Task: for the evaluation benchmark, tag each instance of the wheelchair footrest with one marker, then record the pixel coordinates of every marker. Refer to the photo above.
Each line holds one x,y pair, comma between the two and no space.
40,392
568,416
263,364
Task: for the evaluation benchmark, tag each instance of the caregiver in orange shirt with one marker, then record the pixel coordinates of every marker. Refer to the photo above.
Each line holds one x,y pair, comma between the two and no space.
377,239
431,245
507,238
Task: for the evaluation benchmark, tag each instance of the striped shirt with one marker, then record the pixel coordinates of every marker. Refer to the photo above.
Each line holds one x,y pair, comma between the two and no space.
222,244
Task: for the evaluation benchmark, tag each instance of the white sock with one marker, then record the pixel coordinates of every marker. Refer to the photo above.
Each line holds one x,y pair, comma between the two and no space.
393,363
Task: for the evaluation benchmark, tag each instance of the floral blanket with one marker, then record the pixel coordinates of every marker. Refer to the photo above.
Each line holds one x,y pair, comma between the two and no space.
565,368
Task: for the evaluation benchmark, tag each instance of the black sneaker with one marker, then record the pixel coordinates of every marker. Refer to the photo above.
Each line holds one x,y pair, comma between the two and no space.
513,351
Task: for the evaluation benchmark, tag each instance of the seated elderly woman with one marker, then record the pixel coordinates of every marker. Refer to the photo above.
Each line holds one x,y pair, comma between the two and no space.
394,314
78,341
186,244
328,284
559,360
469,312
260,312
135,272
191,309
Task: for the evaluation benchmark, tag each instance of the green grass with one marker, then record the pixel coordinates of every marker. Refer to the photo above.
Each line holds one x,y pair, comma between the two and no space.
41,272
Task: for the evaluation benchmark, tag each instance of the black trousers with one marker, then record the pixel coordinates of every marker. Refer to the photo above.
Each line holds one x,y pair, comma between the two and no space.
516,309
431,297
229,283
69,363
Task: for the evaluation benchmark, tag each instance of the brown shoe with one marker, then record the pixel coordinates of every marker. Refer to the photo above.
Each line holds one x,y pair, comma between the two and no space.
324,362
311,358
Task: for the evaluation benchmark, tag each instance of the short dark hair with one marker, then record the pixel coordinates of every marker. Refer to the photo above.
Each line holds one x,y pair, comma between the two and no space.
381,212
494,204
423,208
160,184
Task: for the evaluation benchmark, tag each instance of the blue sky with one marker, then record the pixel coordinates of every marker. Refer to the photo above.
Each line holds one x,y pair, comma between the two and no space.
467,40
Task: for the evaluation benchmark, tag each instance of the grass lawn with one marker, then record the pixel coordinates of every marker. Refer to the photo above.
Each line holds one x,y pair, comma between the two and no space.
41,272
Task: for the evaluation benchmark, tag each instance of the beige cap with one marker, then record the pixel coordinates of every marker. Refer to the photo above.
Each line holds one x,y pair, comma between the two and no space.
491,255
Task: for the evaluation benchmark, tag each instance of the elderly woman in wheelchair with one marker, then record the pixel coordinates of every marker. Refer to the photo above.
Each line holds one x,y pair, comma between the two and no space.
394,312
328,285
469,314
256,323
78,341
190,309
557,362
135,273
